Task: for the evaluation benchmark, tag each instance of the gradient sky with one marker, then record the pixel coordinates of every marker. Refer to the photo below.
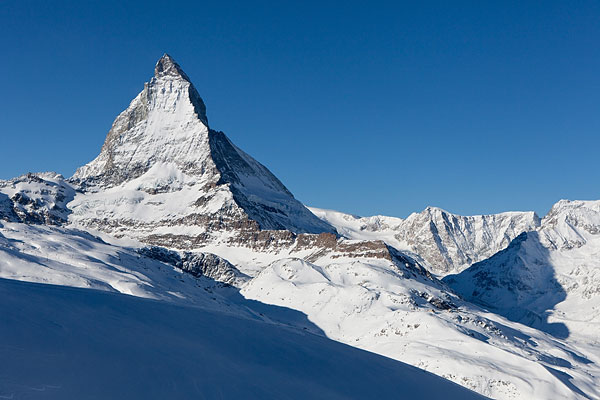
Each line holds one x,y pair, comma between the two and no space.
365,107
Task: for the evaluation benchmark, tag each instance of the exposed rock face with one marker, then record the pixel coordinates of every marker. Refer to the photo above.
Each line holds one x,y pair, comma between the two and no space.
161,163
165,123
35,199
445,242
549,278
569,224
198,264
450,243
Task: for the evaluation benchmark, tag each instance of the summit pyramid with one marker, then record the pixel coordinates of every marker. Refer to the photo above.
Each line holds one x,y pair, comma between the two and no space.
162,166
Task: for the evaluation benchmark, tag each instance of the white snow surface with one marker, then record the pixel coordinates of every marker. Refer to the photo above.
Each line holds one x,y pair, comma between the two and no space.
37,198
66,343
374,306
71,257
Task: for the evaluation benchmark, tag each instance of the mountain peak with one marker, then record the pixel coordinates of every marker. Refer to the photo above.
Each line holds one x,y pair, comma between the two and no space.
166,66
162,144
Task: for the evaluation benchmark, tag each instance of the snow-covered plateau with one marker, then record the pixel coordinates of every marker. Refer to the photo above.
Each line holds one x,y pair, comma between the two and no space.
200,275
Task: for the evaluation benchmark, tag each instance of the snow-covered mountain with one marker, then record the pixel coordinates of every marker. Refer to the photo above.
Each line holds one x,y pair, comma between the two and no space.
172,211
549,278
162,171
445,242
36,198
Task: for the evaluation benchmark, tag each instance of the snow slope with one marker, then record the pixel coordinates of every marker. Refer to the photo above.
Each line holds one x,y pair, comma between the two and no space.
445,242
550,278
70,257
383,307
389,306
58,343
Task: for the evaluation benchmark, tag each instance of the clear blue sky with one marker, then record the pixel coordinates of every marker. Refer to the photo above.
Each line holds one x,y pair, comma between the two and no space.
364,107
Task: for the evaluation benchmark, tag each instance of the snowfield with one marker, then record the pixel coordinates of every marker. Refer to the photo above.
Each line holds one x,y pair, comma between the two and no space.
65,343
371,306
374,304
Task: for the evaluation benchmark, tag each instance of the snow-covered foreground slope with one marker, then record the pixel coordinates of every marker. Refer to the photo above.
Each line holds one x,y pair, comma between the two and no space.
71,257
388,306
383,308
445,242
549,278
59,343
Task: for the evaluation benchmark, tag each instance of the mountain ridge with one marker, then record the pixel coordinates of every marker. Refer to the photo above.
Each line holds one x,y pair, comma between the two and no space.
445,242
548,278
